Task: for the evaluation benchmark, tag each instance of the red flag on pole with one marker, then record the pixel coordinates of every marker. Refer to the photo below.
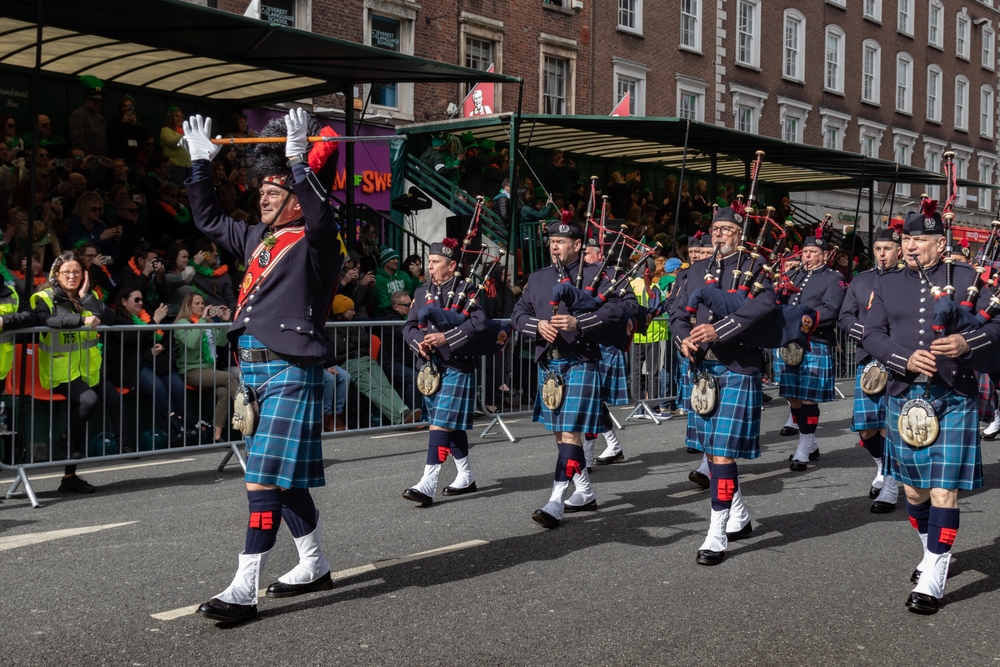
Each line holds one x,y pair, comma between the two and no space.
621,109
480,100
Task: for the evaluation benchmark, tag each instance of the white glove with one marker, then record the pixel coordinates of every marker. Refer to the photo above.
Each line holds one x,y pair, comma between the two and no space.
197,139
297,122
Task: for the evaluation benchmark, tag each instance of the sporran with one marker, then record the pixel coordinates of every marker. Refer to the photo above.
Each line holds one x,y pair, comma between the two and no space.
792,354
246,410
429,379
704,393
553,391
874,377
918,424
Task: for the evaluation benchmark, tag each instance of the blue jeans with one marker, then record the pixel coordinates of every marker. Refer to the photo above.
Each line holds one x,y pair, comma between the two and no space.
166,391
335,390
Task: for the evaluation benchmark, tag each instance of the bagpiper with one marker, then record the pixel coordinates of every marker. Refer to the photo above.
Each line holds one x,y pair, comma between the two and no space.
869,420
568,352
932,432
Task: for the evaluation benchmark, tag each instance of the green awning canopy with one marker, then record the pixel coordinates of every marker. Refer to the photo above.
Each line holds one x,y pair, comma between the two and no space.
181,49
660,142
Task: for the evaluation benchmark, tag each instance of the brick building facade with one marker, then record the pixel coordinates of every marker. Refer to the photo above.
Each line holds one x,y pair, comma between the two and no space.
903,80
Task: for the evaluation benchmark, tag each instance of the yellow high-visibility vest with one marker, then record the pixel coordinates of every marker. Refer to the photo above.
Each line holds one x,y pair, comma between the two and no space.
67,354
9,303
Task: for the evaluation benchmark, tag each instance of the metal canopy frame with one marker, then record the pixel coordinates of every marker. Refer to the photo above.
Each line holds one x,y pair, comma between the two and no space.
181,49
659,142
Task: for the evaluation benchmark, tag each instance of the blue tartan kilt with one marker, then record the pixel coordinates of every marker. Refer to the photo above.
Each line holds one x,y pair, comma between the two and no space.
287,449
684,382
454,404
869,411
614,389
812,380
955,460
733,428
987,397
580,411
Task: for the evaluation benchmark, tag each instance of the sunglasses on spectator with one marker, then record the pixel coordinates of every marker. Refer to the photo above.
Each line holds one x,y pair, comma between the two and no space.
137,299
96,209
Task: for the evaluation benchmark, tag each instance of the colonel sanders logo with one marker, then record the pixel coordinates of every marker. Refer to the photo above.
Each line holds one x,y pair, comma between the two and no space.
807,324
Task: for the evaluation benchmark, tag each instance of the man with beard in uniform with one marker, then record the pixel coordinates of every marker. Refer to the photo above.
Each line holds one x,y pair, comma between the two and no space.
868,420
811,382
924,366
567,347
732,429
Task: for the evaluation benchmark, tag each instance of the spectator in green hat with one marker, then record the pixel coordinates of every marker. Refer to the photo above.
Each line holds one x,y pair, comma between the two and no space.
87,127
389,279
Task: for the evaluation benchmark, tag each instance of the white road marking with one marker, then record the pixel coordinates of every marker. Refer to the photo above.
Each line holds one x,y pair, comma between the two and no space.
15,541
743,479
343,574
91,471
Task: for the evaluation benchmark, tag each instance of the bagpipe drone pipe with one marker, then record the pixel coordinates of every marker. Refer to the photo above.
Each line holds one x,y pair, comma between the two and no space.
786,324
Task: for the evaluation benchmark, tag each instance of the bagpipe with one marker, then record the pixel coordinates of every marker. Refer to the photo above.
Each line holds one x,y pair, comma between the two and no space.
464,296
787,324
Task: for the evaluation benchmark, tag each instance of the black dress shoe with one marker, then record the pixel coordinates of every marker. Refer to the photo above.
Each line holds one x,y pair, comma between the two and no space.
915,577
586,507
416,496
607,460
217,610
75,484
813,456
283,590
457,491
787,431
873,493
544,518
745,531
706,557
700,479
879,507
921,603
768,398
692,450
798,466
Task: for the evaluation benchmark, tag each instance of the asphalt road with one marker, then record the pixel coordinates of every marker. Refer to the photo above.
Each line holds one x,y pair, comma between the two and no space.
822,580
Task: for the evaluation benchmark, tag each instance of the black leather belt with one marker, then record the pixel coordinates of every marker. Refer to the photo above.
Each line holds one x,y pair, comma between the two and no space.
256,355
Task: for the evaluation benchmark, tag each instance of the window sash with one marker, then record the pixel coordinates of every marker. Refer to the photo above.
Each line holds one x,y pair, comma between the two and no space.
962,37
871,8
631,86
933,97
831,138
792,31
904,16
745,118
689,106
626,13
478,53
934,25
554,93
745,33
832,61
868,75
791,129
902,87
960,104
986,113
689,23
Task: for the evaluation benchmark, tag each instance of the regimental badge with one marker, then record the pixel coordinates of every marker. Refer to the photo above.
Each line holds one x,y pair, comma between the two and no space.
247,283
738,218
264,258
807,324
564,229
446,251
929,223
501,339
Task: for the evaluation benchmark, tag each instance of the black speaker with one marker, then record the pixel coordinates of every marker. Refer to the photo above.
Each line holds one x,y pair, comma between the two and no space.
457,226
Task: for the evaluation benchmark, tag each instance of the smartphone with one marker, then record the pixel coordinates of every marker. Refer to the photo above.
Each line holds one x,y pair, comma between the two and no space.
55,200
137,199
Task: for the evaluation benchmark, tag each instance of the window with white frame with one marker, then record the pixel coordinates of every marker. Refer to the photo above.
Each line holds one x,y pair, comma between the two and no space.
933,150
962,35
557,74
691,24
904,83
834,127
870,134
690,97
987,163
934,79
935,33
873,10
482,39
792,117
391,28
748,105
904,16
794,49
903,143
988,55
871,66
963,156
630,15
630,77
748,32
834,69
986,111
961,103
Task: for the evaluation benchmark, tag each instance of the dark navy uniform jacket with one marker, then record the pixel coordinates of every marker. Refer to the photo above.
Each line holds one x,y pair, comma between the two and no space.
854,310
729,349
900,321
455,338
822,289
287,311
601,327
